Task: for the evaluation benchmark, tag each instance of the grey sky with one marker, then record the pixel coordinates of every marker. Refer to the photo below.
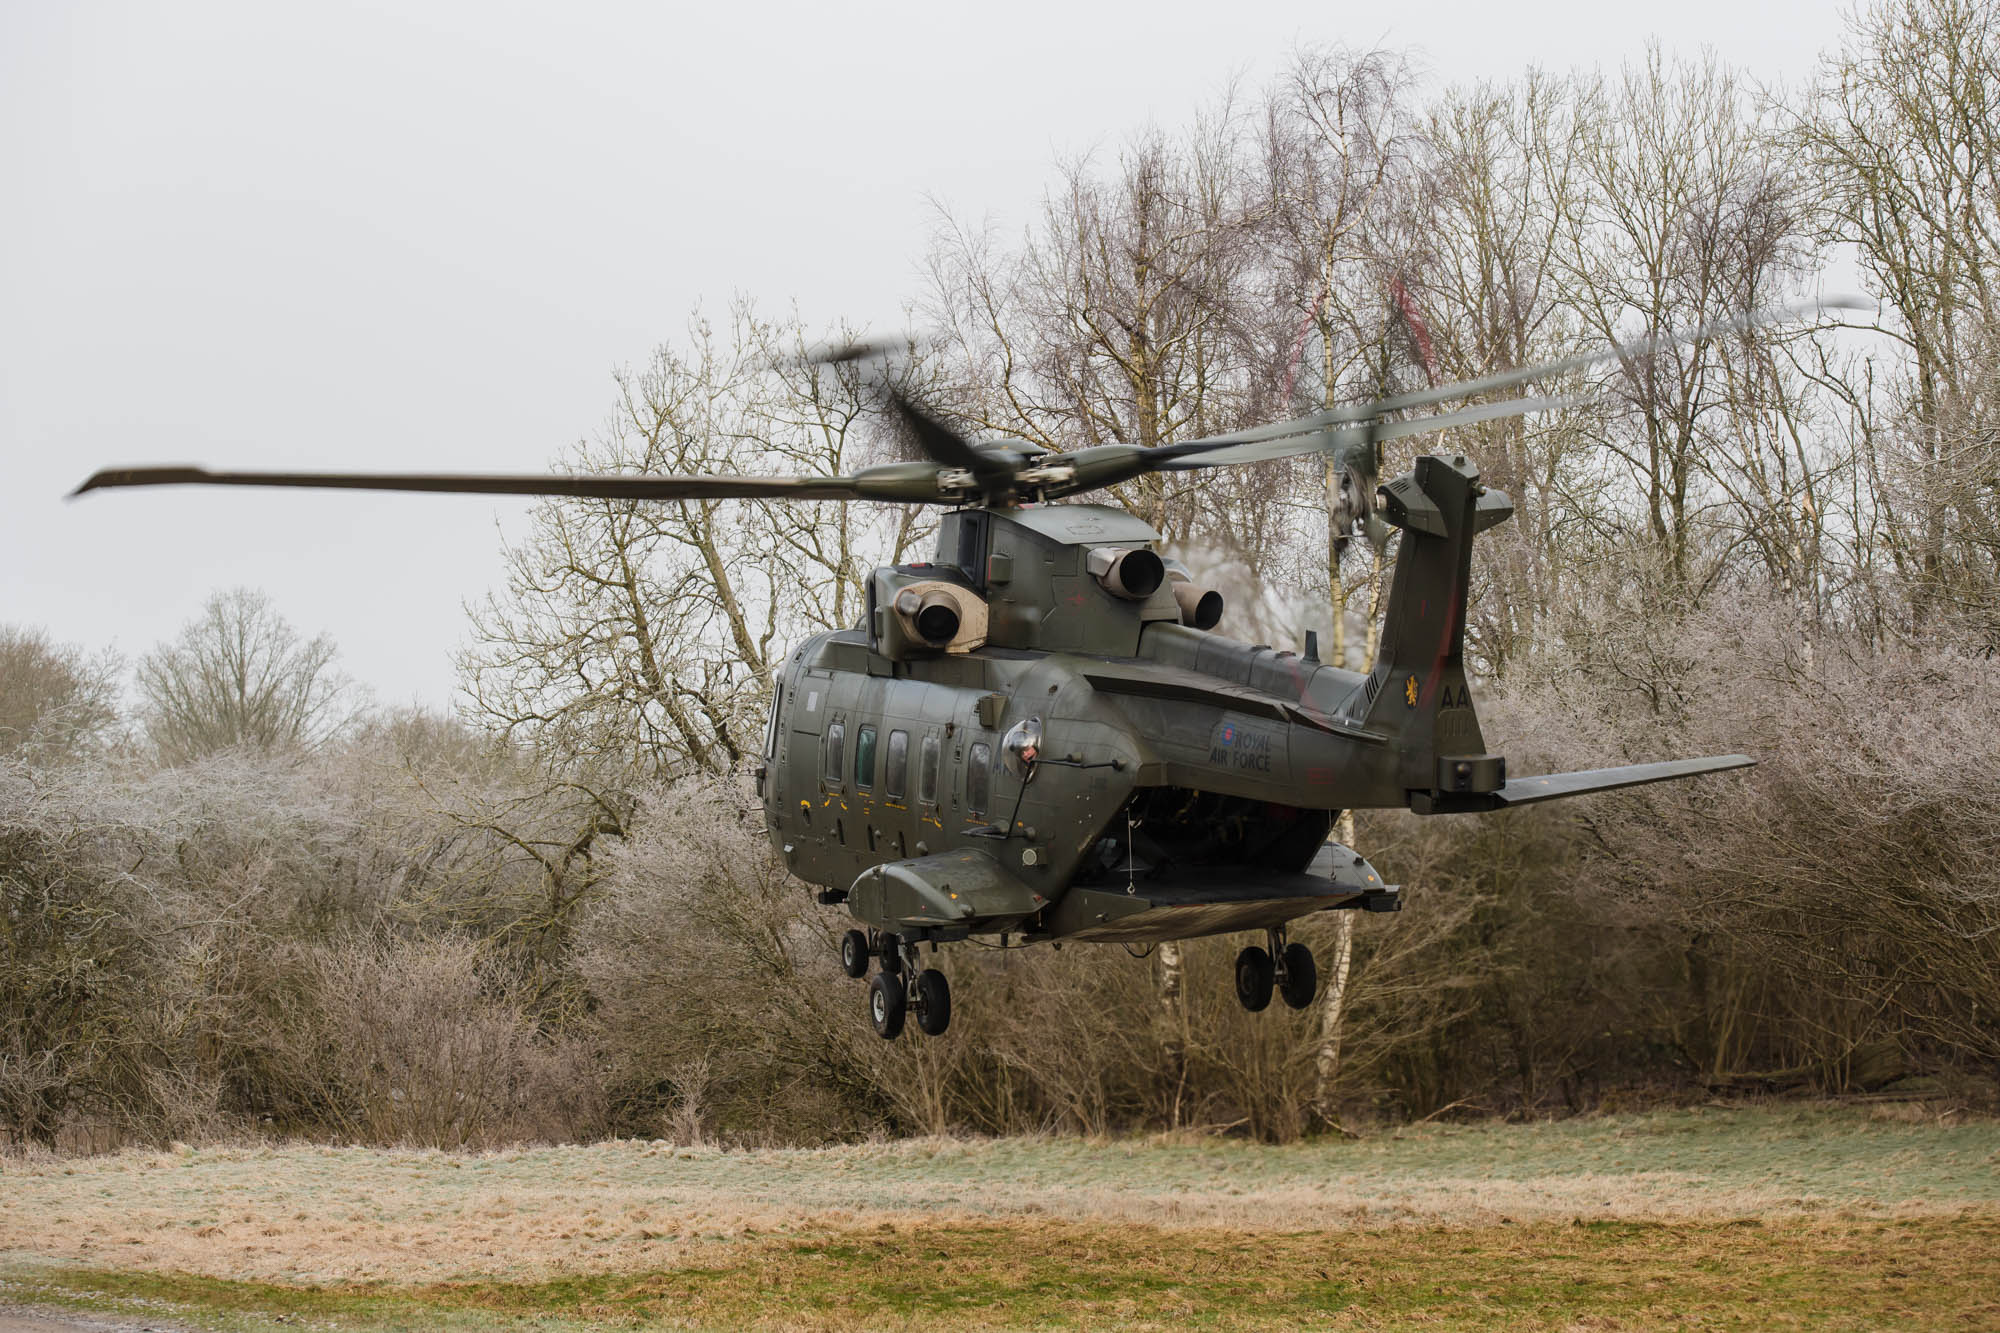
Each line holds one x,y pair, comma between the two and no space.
421,236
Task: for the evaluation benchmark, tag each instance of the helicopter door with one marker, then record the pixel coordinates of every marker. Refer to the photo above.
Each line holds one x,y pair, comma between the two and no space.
806,705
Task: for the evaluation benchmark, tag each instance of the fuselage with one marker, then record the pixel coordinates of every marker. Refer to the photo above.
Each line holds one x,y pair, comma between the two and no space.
1039,731
865,768
1099,741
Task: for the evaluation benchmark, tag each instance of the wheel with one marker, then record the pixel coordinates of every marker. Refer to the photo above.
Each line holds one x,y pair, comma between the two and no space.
1254,974
854,954
886,1002
1301,976
933,1002
890,947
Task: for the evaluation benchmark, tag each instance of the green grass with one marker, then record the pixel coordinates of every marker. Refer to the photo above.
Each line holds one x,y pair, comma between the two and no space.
1822,1274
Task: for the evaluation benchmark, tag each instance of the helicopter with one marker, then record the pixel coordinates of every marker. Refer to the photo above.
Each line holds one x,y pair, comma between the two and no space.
1040,735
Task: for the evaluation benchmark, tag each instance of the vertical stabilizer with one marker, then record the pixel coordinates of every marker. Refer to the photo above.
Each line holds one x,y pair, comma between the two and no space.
1417,693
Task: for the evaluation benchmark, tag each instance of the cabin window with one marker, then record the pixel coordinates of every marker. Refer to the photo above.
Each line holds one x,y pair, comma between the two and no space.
927,771
978,777
864,757
836,749
896,780
771,726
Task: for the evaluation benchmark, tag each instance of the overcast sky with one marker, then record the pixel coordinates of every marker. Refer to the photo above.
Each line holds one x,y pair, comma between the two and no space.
406,236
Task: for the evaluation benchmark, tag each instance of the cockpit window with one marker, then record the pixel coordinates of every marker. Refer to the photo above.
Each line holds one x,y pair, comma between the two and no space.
771,725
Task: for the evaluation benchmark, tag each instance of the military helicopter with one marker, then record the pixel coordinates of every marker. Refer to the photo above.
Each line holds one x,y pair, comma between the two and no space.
1039,735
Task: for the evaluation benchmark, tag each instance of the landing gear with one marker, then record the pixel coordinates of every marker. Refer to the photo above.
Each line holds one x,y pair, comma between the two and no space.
933,1002
854,954
1289,968
1254,974
1298,975
899,987
887,1000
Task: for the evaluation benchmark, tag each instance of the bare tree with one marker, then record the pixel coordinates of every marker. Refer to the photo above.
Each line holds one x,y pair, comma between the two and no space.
1901,133
54,700
1690,217
1120,317
638,639
239,676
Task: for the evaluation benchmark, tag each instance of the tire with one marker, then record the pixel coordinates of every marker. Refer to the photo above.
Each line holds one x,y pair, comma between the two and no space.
933,1002
890,949
1301,976
854,954
1254,974
886,1004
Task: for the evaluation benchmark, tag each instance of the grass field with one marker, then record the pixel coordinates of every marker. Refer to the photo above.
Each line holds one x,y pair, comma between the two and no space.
1834,1218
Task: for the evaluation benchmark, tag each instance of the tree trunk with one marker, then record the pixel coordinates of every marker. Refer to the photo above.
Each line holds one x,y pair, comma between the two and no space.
1333,1002
1174,1010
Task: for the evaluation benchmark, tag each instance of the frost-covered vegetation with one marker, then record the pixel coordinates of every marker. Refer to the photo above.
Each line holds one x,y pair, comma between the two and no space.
252,906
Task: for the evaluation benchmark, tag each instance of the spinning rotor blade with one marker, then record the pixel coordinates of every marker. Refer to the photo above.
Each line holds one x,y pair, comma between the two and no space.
962,472
1508,379
1223,451
945,445
933,437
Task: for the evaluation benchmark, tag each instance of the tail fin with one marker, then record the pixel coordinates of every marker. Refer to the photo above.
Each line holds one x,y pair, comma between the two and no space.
1417,693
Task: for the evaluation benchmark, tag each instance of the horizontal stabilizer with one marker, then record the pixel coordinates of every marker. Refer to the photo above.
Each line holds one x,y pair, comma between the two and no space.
1526,791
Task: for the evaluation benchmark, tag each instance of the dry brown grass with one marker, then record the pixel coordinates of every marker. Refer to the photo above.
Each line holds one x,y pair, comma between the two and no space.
305,1214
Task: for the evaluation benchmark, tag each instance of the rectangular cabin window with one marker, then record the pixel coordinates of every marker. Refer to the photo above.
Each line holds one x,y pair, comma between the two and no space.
864,757
771,726
978,777
927,771
896,780
836,738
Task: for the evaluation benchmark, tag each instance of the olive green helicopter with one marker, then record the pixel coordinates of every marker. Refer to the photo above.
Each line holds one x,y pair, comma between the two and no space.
1039,735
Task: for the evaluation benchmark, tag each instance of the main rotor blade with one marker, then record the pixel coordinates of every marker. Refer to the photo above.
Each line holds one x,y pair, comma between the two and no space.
1508,379
940,442
934,439
613,487
1638,347
1224,451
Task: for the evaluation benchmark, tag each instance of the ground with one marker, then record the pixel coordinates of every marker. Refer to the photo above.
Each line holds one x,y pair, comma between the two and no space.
1714,1218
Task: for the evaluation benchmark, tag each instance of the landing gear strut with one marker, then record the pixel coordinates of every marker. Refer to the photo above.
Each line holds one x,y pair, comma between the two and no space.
901,986
1288,968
